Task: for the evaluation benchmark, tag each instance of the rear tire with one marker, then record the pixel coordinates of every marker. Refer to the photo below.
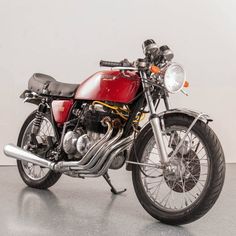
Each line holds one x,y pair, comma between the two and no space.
214,184
51,177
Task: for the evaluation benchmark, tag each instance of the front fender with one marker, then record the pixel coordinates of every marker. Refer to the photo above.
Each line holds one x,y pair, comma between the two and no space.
194,114
202,116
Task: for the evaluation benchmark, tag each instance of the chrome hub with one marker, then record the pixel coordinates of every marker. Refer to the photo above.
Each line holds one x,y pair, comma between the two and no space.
175,170
183,172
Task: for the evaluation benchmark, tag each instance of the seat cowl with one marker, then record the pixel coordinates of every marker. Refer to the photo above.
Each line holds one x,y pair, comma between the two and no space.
48,86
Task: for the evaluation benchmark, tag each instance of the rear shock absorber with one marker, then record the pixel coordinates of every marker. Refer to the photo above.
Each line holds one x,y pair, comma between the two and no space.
42,108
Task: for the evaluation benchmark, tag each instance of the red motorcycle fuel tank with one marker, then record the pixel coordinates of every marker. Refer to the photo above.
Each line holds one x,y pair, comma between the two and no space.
114,86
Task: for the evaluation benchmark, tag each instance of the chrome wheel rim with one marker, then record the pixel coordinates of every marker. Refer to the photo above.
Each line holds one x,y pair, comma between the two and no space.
181,187
36,172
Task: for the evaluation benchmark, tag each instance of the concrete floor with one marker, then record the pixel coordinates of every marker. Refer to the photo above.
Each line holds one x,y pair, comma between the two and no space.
87,207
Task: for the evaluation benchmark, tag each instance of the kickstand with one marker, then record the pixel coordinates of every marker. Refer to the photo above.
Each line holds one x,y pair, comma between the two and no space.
113,189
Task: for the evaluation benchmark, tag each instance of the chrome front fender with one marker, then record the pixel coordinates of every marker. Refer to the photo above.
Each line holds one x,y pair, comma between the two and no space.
200,116
195,115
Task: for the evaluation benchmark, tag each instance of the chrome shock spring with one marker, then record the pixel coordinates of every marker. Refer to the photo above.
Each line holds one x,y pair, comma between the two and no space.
42,108
37,122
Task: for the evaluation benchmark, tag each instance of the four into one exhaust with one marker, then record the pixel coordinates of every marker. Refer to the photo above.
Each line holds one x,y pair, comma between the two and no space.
94,163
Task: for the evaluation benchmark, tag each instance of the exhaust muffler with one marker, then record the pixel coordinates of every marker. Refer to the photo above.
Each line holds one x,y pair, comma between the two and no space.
18,153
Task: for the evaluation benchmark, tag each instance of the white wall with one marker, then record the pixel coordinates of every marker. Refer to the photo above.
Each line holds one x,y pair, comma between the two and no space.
66,39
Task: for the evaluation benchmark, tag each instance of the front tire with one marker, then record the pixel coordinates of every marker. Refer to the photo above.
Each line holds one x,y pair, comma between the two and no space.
213,182
50,177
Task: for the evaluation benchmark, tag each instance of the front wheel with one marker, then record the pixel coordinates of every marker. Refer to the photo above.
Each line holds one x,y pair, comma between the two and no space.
185,190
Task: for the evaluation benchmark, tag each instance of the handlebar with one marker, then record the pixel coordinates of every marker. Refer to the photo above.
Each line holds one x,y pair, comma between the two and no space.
123,63
111,64
153,55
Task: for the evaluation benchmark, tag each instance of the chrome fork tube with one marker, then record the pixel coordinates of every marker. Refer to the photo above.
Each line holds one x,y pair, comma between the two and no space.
154,120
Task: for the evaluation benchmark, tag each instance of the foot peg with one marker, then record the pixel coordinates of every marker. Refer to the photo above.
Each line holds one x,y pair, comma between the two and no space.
113,189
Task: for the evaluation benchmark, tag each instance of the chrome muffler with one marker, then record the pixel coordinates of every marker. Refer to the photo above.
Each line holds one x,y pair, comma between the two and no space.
18,153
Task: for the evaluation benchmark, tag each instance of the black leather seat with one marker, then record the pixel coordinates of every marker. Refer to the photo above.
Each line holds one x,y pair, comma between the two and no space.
47,85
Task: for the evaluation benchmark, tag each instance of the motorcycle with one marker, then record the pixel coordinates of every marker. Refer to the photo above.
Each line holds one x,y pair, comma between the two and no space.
83,130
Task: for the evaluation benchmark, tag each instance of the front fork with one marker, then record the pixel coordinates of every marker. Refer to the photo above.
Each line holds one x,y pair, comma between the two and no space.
155,121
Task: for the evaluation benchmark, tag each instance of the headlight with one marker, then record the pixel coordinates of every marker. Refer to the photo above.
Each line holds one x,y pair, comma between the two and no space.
174,78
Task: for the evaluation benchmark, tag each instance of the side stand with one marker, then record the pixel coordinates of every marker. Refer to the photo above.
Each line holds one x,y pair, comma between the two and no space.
113,189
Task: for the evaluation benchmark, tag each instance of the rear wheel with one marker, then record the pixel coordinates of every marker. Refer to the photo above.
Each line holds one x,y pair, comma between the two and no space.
33,175
186,189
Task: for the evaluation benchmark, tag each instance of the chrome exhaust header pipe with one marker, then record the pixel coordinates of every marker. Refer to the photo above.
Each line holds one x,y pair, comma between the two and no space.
97,145
90,158
120,146
100,156
18,153
103,165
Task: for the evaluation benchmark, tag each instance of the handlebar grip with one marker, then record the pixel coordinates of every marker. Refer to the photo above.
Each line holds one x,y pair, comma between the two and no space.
110,64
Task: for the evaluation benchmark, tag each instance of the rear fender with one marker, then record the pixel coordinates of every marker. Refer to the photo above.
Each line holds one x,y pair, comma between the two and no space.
31,97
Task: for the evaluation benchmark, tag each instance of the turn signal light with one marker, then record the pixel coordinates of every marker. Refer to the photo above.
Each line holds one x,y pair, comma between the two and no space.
186,84
155,69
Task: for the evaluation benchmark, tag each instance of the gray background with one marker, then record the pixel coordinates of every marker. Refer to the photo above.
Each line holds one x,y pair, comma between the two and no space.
66,39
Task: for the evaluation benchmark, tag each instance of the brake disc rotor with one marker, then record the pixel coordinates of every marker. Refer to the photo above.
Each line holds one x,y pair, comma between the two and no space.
191,174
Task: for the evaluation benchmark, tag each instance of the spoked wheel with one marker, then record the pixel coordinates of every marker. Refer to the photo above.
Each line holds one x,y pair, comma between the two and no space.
189,185
178,185
33,175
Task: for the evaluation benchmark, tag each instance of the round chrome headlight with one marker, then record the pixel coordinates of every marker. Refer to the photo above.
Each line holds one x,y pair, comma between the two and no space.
174,78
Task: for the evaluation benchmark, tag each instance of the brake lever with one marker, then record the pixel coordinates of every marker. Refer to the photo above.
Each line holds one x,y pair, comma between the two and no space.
126,63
